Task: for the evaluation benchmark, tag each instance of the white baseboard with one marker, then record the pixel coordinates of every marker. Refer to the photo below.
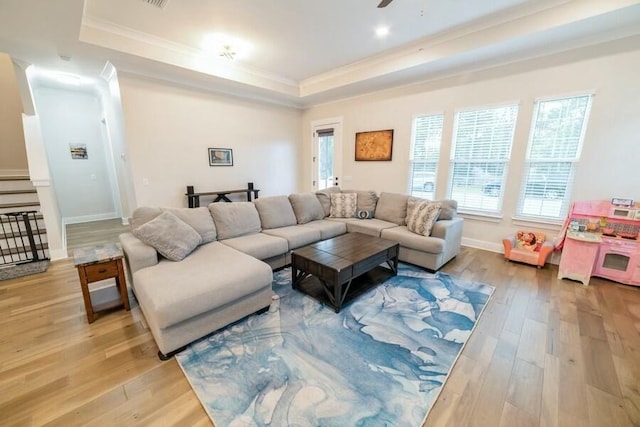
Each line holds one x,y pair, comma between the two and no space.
554,258
88,218
482,244
57,254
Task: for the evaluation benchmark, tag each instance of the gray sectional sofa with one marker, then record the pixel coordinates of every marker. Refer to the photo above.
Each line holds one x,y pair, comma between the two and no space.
194,271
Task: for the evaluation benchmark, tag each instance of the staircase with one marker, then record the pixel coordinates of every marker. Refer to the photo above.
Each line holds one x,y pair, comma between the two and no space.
23,237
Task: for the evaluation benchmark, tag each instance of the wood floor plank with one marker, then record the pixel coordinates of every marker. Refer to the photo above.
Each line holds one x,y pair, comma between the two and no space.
544,343
533,342
490,401
525,387
628,370
549,410
600,371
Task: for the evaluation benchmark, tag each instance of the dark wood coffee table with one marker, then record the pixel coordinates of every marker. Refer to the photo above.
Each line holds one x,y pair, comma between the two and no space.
337,262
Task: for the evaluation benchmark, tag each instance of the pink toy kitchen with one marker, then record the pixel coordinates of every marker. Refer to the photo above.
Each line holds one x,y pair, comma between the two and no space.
602,240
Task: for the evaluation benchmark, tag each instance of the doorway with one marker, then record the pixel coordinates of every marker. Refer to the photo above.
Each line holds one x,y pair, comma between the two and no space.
327,153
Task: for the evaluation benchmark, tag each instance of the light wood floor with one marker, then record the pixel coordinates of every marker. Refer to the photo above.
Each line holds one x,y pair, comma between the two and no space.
545,353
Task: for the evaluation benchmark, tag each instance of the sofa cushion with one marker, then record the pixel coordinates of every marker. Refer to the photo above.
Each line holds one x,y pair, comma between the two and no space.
235,219
327,228
306,207
372,227
411,240
142,215
169,235
367,200
275,212
175,292
259,245
198,218
295,235
343,205
392,207
421,216
324,197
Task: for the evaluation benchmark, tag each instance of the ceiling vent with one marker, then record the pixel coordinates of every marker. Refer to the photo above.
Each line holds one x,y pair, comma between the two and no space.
157,3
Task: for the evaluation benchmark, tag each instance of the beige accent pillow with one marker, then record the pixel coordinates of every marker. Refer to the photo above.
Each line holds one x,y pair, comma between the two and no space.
421,217
343,205
173,238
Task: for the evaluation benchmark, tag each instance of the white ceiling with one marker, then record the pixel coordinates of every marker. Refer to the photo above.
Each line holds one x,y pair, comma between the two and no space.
306,51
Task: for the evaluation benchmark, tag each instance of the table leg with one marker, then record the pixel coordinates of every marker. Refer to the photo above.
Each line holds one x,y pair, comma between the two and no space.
84,285
122,285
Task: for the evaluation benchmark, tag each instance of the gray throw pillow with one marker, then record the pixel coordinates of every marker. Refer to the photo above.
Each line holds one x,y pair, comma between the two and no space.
198,218
142,215
169,235
307,207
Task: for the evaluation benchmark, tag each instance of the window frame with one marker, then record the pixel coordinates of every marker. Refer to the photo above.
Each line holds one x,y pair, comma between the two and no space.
528,167
454,160
412,154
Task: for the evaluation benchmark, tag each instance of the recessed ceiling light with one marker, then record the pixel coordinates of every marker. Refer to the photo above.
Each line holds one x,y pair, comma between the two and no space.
382,31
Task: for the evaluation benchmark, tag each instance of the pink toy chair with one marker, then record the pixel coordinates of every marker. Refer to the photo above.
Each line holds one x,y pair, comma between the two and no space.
528,247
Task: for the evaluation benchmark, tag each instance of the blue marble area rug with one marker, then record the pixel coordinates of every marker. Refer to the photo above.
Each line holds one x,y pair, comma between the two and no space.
381,361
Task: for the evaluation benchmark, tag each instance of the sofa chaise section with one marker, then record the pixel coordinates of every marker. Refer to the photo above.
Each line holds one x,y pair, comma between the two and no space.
184,301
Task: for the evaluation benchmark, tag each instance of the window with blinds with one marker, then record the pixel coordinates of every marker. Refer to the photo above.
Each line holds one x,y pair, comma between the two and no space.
482,141
425,153
554,149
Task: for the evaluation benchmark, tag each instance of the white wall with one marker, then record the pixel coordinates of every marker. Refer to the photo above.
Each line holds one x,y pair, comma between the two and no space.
112,107
169,128
84,188
610,157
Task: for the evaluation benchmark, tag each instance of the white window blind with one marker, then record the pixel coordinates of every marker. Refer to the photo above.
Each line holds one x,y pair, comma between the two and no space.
554,149
481,149
425,153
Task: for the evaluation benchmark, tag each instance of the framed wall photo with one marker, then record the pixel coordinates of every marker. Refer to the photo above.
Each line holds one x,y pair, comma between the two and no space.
220,157
78,151
374,145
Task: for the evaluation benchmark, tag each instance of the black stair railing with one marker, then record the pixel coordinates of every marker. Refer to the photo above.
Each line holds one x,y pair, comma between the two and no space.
21,239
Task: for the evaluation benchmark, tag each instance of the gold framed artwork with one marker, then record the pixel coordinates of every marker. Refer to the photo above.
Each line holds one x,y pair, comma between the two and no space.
375,145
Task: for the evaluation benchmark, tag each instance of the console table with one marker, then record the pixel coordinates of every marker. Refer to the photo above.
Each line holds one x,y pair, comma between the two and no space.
221,196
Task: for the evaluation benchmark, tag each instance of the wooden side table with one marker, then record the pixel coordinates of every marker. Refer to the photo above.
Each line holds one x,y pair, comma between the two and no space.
96,263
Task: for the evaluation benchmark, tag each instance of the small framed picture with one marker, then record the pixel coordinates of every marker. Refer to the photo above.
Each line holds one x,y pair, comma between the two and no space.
220,157
78,151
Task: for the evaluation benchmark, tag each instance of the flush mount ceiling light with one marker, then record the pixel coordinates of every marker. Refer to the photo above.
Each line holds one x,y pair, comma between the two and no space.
226,46
382,31
227,52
